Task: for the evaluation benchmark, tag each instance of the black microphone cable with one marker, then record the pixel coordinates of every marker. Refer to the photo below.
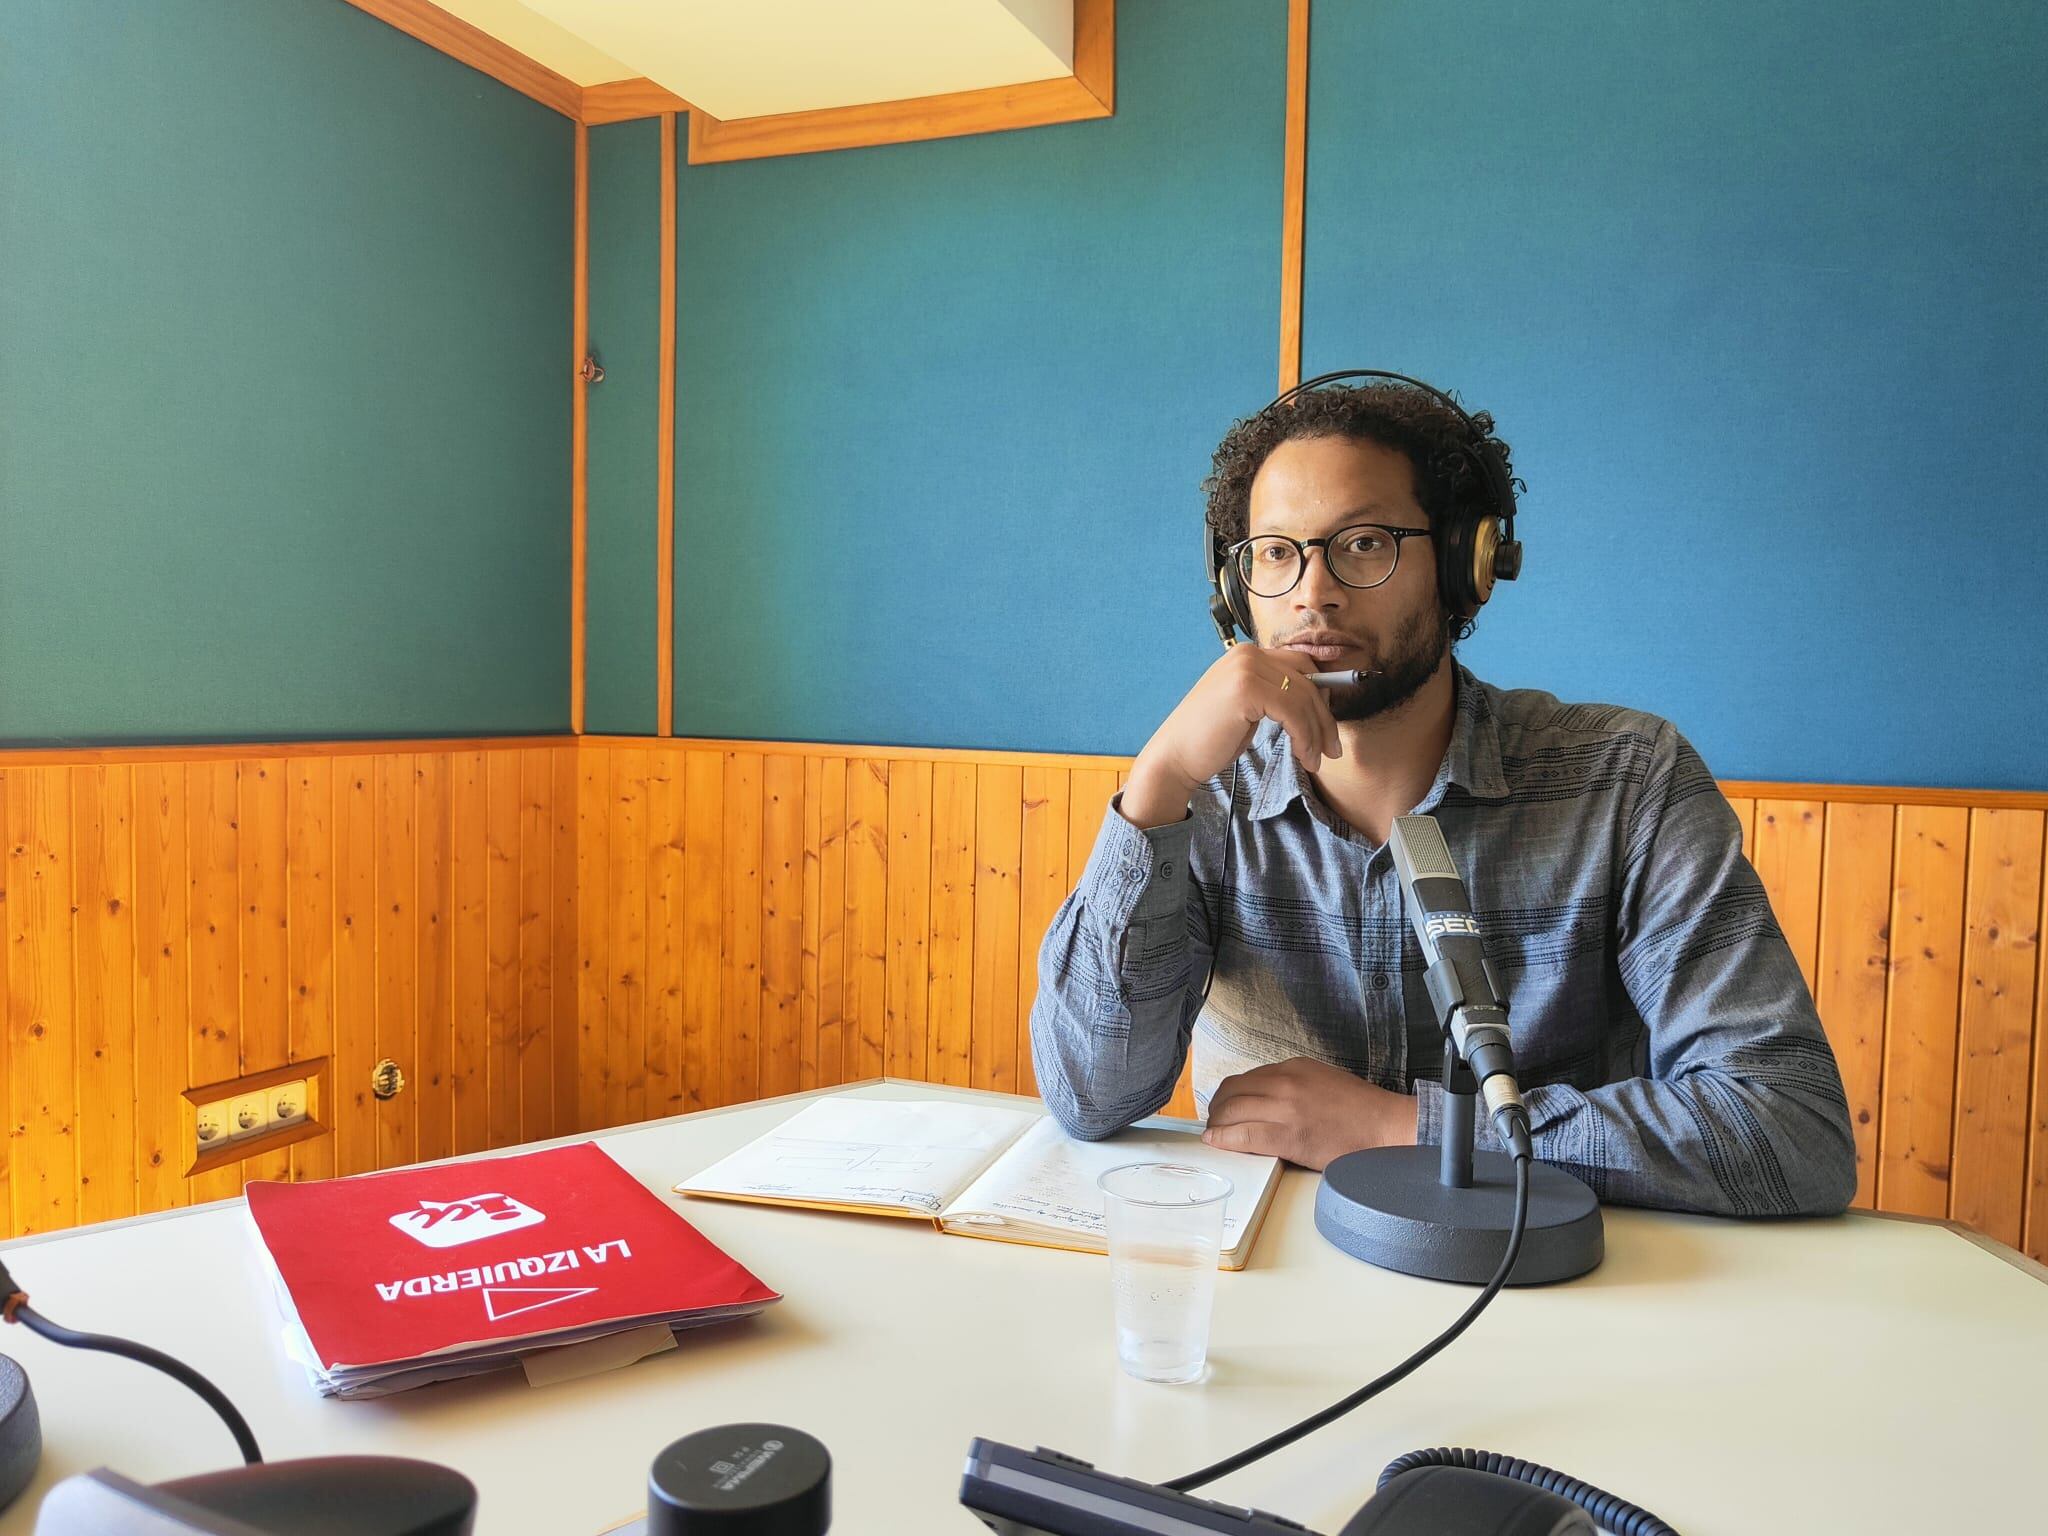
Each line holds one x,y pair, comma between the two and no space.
1400,1372
1612,1512
17,1310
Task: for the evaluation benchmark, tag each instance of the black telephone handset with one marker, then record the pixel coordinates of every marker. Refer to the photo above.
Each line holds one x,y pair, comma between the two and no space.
1459,1501
1044,1493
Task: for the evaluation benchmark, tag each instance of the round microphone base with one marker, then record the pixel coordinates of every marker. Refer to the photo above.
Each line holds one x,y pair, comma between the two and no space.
21,1432
1389,1207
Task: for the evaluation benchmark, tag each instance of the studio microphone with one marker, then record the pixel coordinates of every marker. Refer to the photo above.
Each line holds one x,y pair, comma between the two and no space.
1461,982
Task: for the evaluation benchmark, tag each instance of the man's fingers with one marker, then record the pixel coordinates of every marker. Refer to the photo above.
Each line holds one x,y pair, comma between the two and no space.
1300,707
1333,741
1311,705
1243,1105
1244,1135
1308,745
1262,1138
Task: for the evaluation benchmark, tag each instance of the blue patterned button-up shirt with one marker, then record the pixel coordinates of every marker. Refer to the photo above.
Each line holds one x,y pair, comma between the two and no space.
1667,1044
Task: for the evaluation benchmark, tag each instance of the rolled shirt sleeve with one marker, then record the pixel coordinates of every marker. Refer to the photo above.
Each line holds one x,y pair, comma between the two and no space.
1118,979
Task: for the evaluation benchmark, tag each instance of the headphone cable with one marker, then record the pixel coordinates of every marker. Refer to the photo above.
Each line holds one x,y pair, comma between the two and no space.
16,1309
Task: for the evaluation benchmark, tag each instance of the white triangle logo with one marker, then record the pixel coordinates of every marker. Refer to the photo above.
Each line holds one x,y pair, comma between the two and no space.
532,1298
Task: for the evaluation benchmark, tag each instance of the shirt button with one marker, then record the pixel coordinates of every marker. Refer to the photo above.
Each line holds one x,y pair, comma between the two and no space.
1166,870
1379,981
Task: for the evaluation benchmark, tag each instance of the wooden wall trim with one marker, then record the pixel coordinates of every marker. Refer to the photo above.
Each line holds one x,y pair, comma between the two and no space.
1090,92
1734,789
479,50
1035,104
618,101
1294,195
579,436
665,450
837,749
192,752
1095,51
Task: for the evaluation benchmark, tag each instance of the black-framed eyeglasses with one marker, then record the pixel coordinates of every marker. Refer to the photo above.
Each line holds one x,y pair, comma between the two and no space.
1363,555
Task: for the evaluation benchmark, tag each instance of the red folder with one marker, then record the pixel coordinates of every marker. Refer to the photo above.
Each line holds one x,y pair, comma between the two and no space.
479,1262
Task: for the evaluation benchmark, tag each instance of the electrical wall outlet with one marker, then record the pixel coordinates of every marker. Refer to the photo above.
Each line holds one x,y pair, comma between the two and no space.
248,1113
287,1103
213,1125
275,1106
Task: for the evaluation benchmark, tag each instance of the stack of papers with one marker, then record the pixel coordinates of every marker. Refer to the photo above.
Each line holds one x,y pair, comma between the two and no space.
559,1260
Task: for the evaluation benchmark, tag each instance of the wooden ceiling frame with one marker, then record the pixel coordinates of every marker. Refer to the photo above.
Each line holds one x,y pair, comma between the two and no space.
471,45
1090,92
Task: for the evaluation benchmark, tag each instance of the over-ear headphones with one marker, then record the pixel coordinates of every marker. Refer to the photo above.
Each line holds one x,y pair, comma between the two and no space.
1472,551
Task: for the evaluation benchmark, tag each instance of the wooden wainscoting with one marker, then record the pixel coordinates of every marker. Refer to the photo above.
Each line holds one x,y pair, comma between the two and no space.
174,920
759,918
1916,918
557,935
756,919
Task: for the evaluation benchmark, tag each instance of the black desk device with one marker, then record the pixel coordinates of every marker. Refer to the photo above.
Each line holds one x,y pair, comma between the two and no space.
1016,1492
1043,1493
318,1496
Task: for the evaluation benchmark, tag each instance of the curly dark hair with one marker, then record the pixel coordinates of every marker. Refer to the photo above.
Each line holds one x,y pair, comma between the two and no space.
1398,416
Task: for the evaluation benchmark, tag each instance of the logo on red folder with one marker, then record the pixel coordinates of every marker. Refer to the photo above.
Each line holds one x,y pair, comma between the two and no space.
451,1223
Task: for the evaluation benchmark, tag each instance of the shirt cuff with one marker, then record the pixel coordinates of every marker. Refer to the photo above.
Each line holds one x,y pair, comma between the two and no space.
1134,875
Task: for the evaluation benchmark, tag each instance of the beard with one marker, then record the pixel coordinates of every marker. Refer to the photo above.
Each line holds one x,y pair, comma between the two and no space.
1398,671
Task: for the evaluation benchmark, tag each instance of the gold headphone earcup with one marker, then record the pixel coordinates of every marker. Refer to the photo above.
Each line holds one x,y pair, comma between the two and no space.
1485,549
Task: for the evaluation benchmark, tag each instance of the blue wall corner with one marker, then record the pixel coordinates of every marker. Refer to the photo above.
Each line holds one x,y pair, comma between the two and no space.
283,403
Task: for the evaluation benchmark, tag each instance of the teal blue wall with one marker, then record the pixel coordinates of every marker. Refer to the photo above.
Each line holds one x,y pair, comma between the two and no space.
284,391
1756,295
1759,294
625,336
942,407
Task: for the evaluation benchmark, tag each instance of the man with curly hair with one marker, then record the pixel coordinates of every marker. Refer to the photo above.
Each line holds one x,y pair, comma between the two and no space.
1241,899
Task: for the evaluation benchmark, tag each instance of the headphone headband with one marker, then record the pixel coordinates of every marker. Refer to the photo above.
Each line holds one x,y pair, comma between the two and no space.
1472,552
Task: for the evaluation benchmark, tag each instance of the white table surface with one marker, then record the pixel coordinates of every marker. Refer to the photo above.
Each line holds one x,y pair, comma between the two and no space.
1861,1374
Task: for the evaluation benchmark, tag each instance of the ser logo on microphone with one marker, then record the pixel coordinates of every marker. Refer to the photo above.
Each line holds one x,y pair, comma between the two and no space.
1450,923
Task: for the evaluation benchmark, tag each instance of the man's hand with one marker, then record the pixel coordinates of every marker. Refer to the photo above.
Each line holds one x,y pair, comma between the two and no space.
1307,1112
1210,726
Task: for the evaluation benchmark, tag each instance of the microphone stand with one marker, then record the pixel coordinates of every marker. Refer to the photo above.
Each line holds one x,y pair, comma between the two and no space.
1461,1088
1445,1212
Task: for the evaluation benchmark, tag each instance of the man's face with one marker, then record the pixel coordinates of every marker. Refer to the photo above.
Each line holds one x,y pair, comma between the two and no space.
1310,488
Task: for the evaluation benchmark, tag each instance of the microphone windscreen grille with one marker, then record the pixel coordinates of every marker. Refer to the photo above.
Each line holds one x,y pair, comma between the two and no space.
1424,843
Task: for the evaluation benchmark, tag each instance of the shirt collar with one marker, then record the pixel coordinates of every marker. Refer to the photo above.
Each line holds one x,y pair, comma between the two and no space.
1471,761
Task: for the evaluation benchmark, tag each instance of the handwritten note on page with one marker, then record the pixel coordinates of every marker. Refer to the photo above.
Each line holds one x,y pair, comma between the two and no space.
1047,1180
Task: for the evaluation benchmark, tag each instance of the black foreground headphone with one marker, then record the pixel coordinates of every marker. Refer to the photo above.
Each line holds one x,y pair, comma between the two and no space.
1472,552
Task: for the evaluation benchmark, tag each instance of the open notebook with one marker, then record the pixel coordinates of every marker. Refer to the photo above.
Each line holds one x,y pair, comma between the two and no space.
972,1169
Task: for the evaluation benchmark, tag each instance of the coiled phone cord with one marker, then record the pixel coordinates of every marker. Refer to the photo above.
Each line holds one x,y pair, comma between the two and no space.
1610,1511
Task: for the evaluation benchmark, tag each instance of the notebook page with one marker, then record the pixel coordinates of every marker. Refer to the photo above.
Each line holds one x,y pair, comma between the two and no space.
894,1154
1046,1182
